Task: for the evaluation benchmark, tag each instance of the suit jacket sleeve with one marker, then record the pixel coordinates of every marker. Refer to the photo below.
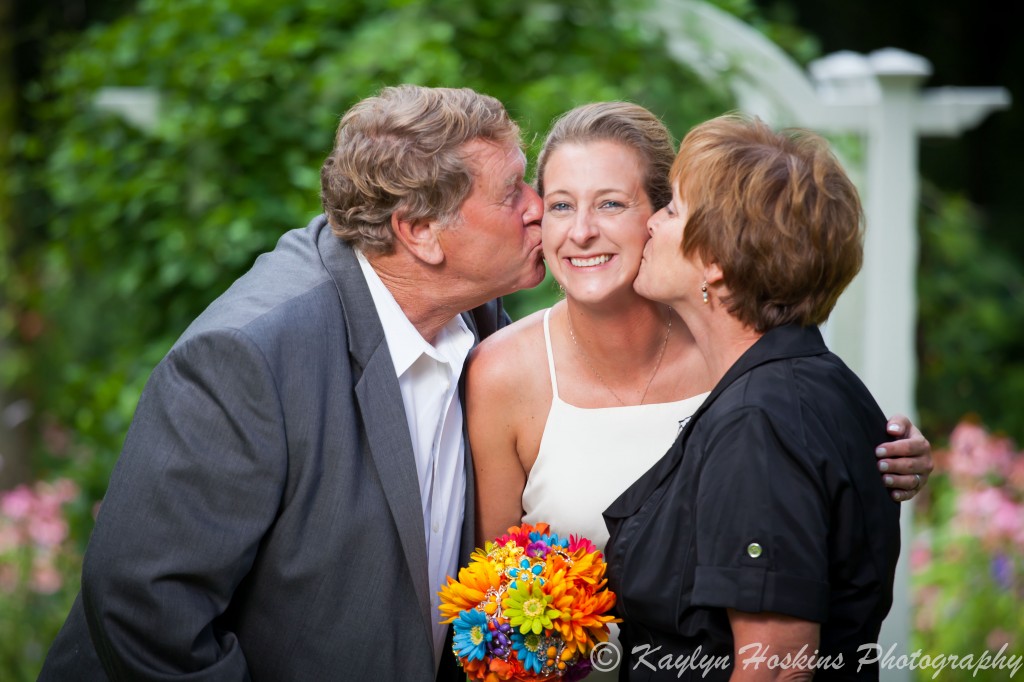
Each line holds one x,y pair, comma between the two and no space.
207,444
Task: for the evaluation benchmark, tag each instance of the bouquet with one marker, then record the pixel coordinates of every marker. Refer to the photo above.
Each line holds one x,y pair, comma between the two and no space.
530,606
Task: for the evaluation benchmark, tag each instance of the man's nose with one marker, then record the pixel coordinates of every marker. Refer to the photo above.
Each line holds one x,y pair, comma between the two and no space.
534,206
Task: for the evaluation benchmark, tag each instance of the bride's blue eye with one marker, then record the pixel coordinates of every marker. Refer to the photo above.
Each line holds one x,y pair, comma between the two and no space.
611,203
559,206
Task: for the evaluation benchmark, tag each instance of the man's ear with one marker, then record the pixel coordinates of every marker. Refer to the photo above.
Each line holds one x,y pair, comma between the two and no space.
419,237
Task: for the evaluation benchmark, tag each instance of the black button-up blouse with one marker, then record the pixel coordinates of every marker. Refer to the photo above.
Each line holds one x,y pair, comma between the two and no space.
770,500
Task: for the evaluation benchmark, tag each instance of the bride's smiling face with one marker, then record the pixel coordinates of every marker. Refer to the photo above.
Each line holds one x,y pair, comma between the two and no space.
595,218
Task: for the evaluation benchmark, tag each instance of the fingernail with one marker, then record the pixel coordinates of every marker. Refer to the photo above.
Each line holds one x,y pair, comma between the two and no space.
887,480
894,428
883,466
880,452
897,496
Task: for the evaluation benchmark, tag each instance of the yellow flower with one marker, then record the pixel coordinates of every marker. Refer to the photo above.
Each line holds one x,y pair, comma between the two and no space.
500,556
476,584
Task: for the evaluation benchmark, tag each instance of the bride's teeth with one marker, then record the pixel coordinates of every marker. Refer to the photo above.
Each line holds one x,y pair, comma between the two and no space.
589,262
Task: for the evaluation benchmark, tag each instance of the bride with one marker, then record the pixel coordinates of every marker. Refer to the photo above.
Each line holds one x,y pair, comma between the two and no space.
570,405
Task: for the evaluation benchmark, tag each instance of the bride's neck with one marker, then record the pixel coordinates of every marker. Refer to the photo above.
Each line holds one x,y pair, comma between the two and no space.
634,331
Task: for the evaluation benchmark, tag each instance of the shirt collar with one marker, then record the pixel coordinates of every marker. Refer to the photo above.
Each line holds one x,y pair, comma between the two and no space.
405,342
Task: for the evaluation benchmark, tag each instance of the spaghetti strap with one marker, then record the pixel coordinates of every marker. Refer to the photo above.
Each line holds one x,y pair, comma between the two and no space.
551,355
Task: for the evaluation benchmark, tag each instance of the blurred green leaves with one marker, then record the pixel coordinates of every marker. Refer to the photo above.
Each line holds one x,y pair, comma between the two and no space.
128,230
971,312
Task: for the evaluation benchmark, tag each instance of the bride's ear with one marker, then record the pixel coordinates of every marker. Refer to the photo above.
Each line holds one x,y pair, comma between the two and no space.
419,237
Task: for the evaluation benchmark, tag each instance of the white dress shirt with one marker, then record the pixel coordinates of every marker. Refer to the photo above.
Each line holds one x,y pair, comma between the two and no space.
428,376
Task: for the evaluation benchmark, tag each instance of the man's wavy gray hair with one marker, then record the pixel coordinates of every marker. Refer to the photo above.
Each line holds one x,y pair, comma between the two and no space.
401,151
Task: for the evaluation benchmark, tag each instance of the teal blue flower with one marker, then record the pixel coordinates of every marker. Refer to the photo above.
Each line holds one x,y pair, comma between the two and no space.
471,635
529,650
550,539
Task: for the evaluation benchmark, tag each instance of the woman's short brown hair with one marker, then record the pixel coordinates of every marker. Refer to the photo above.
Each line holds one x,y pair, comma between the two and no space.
628,124
777,212
402,151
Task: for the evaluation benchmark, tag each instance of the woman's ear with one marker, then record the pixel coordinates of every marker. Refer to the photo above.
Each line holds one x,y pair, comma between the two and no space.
419,237
713,273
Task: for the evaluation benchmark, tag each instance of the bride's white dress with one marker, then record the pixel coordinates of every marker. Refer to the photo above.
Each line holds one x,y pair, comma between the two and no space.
589,456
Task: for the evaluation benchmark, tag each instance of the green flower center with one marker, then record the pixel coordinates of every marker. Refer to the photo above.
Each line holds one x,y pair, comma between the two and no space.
531,642
533,608
476,634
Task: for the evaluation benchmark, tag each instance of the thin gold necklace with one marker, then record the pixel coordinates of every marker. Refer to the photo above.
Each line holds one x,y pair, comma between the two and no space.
586,359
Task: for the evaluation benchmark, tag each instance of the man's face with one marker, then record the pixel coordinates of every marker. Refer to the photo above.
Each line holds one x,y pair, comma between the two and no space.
496,245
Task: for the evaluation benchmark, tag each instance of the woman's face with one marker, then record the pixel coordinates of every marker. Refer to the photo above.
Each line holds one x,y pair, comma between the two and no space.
666,275
595,218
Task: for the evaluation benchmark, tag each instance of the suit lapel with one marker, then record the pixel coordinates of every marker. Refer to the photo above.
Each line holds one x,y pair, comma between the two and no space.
387,433
380,403
482,321
468,541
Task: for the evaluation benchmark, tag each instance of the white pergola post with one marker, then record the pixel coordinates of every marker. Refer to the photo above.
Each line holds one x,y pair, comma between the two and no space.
877,97
887,311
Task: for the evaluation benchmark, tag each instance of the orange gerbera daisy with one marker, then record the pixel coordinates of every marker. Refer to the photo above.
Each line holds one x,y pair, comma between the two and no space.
587,619
475,582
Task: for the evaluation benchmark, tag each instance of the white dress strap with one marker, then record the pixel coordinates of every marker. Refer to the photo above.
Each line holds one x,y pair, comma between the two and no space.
551,355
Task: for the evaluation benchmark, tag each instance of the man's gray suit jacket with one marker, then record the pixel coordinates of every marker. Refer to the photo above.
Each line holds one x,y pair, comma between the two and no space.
264,521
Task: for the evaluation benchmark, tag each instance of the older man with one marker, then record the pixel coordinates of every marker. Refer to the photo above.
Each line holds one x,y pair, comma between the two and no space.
294,489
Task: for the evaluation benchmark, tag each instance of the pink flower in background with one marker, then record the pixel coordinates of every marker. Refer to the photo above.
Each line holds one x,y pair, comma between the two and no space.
989,473
998,638
974,508
48,530
920,554
10,538
8,578
967,589
975,454
926,600
17,503
32,524
990,514
1008,519
46,579
65,490
1016,477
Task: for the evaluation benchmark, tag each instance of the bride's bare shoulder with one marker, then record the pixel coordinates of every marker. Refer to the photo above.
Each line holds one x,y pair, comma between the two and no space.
511,355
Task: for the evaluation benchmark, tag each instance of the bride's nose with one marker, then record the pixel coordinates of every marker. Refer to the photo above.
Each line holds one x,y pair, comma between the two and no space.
584,227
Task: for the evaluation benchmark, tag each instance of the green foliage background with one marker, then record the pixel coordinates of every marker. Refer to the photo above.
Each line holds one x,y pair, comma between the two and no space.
129,233
113,237
971,317
121,235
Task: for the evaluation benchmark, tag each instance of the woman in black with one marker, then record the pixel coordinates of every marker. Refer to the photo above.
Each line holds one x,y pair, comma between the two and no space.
763,545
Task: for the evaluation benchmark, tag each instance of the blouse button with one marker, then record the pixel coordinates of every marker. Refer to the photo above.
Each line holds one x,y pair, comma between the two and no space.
753,550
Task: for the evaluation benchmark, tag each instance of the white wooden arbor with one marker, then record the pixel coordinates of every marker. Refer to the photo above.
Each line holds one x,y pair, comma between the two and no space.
877,97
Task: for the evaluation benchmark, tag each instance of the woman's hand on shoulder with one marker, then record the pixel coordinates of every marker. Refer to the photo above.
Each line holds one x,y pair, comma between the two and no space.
905,463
